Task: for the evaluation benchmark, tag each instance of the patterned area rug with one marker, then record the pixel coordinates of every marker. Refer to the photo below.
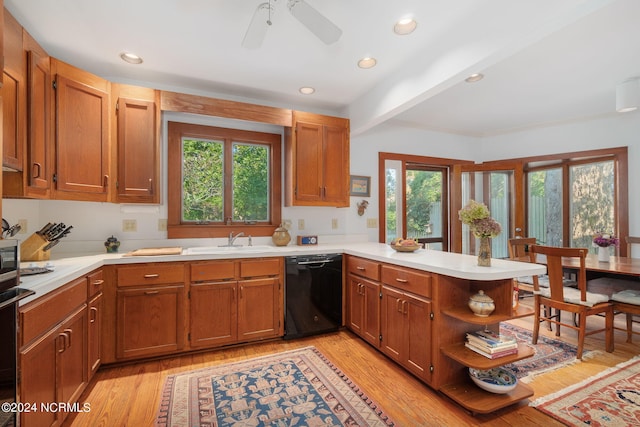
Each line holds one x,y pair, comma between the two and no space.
550,354
611,398
295,388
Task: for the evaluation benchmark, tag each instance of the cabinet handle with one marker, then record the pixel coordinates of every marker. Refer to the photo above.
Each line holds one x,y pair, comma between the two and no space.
399,305
404,306
68,333
150,186
36,167
151,276
106,181
94,314
401,280
241,289
233,294
360,268
151,292
98,282
62,337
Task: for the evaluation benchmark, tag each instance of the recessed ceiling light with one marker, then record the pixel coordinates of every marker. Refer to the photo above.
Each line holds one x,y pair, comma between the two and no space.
306,90
131,58
367,62
405,26
476,77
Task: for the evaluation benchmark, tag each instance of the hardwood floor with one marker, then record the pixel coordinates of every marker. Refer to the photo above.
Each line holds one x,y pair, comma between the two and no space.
128,395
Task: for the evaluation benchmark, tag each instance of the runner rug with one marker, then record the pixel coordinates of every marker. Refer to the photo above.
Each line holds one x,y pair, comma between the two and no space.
611,398
295,388
550,354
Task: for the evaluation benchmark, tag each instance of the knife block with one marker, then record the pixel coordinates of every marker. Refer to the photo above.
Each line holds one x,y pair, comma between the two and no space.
31,249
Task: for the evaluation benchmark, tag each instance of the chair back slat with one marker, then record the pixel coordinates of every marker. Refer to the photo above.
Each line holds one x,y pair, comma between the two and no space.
555,270
519,247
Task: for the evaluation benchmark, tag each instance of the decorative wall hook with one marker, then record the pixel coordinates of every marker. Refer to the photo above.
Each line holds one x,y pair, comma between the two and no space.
362,206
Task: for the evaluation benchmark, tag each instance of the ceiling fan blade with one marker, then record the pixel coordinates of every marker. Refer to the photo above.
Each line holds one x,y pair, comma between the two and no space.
258,26
317,23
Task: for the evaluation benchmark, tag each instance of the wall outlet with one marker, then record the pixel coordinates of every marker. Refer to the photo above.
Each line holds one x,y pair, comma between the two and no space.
129,225
372,222
23,226
301,224
162,224
334,223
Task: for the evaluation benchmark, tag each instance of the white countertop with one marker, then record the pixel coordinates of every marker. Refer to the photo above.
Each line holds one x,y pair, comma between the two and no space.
446,263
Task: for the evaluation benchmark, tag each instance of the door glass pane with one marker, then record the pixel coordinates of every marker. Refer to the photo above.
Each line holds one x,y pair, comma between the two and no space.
393,200
424,190
250,182
494,189
544,189
591,203
202,180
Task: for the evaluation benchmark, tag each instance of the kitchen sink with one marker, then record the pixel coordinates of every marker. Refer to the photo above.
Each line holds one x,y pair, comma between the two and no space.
198,250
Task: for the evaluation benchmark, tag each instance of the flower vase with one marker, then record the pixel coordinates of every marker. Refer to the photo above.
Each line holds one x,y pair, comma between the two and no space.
484,253
603,254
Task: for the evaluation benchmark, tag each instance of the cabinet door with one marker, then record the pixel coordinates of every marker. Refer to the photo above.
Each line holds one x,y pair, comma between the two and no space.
38,378
308,159
149,321
355,308
371,319
336,165
138,152
214,315
82,141
72,356
258,308
393,325
418,330
38,128
94,340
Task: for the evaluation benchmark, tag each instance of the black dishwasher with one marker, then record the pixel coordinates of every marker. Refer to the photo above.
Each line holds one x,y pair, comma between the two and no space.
313,295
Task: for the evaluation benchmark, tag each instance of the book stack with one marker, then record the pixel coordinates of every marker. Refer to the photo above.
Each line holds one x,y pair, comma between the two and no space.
491,344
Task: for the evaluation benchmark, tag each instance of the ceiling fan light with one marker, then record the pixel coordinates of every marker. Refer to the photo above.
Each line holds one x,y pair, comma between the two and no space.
405,26
131,58
628,96
367,63
307,90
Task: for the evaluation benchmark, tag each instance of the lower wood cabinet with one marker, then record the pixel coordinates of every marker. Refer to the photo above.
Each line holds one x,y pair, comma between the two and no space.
54,351
363,311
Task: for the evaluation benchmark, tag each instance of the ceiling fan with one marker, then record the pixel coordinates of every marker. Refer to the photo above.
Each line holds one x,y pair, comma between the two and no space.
317,23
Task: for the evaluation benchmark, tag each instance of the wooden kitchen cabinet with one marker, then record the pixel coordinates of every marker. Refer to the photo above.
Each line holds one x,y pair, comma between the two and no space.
258,308
94,321
13,94
82,168
137,168
150,310
363,298
317,161
53,358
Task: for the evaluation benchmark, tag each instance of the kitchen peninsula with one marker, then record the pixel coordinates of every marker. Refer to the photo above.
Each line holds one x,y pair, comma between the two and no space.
430,288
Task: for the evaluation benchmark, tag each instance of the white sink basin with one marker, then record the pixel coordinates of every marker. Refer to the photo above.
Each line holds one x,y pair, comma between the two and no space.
199,250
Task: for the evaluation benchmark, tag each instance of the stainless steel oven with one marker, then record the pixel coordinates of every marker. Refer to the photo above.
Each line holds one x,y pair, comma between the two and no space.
313,295
10,294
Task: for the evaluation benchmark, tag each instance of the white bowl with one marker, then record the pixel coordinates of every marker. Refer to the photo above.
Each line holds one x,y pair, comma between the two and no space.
496,380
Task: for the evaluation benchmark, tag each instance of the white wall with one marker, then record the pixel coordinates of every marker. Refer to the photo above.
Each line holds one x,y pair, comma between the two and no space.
94,222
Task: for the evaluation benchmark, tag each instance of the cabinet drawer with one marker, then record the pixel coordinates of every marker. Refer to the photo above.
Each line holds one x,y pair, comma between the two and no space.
363,267
261,267
150,274
42,314
408,280
96,282
216,270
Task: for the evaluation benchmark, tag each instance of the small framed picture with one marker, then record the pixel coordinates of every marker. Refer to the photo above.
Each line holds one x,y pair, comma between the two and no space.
359,185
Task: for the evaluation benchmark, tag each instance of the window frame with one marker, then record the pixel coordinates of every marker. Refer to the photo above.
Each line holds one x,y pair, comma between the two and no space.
176,228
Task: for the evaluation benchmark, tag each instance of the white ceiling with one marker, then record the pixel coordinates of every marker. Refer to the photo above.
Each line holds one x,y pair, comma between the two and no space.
545,61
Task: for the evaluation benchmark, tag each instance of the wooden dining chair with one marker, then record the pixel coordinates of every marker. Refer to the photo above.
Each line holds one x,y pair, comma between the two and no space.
519,251
628,301
573,300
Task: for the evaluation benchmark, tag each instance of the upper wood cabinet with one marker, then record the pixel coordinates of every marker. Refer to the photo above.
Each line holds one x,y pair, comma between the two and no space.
317,161
13,95
137,132
82,134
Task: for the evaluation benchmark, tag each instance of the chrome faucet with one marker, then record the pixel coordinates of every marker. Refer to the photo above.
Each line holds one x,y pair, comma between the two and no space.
233,238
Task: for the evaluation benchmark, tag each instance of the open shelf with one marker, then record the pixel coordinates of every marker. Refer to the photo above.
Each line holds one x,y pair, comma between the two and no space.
471,359
479,401
467,316
522,311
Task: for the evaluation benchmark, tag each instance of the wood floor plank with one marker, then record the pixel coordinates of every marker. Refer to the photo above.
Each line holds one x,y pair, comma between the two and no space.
128,395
